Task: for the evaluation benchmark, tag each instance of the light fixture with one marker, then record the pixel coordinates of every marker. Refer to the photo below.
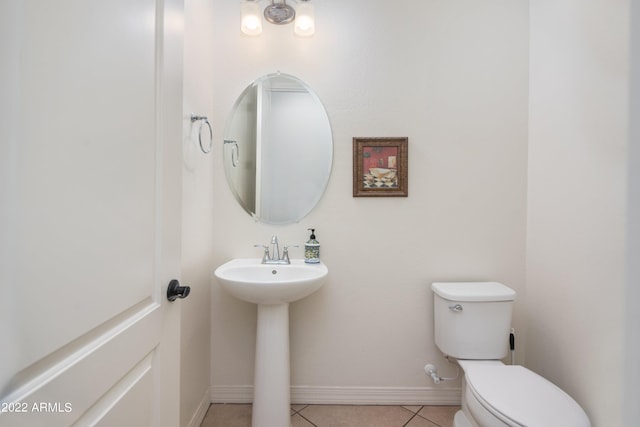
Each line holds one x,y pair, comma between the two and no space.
250,21
279,13
305,23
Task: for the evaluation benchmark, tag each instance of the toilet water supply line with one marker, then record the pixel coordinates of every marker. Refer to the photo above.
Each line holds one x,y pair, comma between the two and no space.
432,371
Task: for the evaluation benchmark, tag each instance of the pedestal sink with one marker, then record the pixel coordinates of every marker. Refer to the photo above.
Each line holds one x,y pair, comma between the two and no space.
272,287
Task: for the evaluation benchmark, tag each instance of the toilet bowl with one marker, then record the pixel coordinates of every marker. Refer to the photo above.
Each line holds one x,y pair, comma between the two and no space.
498,395
472,324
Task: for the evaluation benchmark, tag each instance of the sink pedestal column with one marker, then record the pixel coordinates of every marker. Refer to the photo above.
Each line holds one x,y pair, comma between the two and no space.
271,383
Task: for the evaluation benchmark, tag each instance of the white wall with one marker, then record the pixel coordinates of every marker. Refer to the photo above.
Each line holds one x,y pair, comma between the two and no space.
9,154
197,225
577,201
451,76
632,296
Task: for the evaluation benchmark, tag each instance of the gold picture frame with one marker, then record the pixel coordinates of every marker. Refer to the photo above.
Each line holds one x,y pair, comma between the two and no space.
380,167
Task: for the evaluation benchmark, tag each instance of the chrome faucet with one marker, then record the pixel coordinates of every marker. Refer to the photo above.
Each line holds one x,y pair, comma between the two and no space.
275,248
273,256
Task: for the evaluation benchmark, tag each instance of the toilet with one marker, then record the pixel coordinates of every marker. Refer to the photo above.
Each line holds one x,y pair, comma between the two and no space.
472,325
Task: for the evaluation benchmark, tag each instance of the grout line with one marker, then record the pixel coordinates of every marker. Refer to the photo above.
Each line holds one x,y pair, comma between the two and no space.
419,408
425,418
306,419
303,417
311,423
415,414
297,411
409,420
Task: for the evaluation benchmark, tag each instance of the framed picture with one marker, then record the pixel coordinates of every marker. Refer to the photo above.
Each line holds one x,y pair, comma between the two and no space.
380,167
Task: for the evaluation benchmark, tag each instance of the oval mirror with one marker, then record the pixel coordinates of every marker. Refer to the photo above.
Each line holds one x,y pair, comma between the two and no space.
278,149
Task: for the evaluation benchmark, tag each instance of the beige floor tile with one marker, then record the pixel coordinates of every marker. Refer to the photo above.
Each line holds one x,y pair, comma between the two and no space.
441,415
228,415
238,415
298,421
356,416
420,422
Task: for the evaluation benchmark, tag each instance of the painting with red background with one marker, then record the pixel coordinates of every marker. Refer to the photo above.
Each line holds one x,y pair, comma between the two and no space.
378,157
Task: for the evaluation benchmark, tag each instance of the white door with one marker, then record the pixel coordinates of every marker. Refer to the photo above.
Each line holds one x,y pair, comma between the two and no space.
90,181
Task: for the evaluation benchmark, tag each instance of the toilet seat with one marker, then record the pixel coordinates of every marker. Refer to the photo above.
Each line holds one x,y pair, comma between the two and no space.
520,397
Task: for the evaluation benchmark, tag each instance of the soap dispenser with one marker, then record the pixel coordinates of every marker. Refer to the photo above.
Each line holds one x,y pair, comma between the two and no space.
312,249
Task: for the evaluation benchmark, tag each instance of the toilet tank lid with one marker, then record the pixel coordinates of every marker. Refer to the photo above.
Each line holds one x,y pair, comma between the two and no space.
473,291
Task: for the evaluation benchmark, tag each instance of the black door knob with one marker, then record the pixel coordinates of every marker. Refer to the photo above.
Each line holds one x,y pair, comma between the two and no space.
175,291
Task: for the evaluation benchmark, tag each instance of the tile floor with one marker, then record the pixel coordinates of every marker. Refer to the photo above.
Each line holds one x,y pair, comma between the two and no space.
239,415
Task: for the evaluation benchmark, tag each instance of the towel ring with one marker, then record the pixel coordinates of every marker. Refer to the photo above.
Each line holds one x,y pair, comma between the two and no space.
235,151
205,121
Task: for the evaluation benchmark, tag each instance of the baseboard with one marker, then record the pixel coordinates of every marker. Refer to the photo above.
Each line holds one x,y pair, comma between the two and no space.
201,411
375,395
348,395
232,394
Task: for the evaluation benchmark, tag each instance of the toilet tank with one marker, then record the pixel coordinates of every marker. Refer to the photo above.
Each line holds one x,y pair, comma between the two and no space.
472,320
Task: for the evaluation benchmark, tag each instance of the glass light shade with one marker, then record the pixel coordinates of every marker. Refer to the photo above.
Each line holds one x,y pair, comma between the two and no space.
250,20
305,22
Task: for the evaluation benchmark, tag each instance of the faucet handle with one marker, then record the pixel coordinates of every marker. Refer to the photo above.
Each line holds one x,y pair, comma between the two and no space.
265,255
285,253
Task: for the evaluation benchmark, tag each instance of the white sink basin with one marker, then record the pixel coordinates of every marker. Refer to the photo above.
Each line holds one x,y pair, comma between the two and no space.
249,280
